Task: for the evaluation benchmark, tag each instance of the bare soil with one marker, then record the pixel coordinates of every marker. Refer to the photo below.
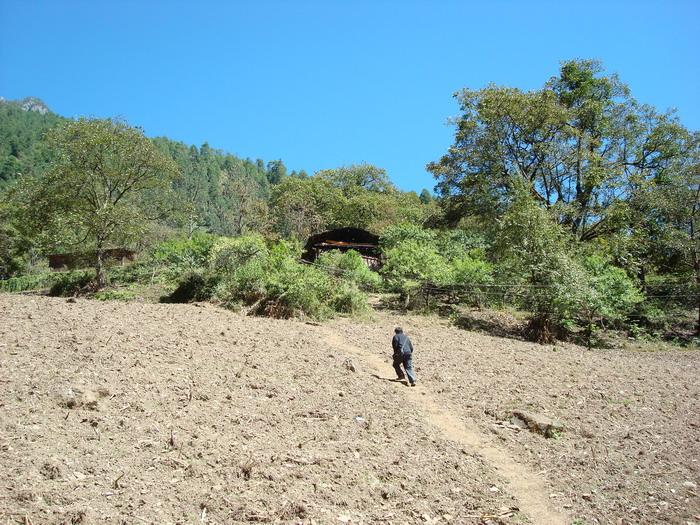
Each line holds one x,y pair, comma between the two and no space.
144,413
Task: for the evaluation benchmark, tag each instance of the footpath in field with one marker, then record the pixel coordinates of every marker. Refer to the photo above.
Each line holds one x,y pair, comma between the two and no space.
119,413
523,484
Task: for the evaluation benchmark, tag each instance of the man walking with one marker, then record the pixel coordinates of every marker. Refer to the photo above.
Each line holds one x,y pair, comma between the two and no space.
403,355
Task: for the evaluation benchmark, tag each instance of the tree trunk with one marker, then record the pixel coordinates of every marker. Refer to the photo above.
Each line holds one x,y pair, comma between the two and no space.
99,268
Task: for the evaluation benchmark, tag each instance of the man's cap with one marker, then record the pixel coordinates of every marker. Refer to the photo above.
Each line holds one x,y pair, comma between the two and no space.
398,330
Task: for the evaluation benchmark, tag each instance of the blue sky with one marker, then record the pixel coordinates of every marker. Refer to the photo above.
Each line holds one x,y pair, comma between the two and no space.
321,84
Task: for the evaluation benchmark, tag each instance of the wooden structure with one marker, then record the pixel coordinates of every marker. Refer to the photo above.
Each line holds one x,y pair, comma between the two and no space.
71,261
344,239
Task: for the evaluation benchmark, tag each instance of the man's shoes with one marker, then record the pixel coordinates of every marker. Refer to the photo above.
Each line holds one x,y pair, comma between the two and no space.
413,384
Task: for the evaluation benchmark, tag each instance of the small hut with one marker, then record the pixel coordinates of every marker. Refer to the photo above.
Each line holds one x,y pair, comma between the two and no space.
71,261
344,239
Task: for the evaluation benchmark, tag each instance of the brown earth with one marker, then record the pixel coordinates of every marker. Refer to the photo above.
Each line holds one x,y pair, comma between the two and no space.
144,413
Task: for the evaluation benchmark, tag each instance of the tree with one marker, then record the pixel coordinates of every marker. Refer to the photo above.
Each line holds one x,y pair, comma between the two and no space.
244,210
532,252
357,177
105,185
581,144
276,171
304,206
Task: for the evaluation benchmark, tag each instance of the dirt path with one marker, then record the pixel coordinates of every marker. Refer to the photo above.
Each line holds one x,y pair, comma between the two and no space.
524,485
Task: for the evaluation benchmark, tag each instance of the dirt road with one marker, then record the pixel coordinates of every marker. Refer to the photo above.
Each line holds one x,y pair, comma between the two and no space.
141,413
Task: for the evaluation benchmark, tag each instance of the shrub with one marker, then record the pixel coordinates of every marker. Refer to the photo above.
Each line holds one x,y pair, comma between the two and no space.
532,251
194,286
246,284
184,254
454,244
28,282
347,298
72,283
228,254
610,294
351,267
278,285
115,295
411,262
472,269
397,234
136,272
12,252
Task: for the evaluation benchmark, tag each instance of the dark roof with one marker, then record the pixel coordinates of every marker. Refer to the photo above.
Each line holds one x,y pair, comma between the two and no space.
344,235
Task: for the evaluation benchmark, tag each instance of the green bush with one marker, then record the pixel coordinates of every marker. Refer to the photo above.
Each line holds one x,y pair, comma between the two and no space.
472,269
454,244
28,282
347,298
410,263
350,266
246,285
397,234
532,251
12,252
137,272
278,285
193,286
181,255
228,254
610,294
72,283
115,295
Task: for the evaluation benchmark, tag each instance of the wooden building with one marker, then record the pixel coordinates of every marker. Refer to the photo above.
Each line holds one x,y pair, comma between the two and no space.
344,239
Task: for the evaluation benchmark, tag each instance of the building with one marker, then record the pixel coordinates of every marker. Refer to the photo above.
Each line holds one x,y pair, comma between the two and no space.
344,239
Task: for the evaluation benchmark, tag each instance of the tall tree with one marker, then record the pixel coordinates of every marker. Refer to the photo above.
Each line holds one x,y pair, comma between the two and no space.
582,144
105,184
276,171
351,179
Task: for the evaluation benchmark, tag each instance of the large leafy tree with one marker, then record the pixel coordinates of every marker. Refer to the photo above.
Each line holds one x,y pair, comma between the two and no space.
581,144
357,177
301,207
106,183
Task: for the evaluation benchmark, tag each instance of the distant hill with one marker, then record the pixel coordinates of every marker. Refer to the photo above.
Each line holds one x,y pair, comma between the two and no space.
22,126
205,170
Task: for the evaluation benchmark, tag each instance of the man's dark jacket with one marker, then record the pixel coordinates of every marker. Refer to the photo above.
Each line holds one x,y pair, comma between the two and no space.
402,344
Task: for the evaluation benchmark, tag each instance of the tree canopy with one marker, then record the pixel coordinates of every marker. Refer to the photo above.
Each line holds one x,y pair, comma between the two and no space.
582,144
104,184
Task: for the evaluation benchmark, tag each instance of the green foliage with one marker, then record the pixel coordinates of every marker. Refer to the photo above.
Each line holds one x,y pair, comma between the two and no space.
347,298
581,144
352,180
394,235
350,266
472,269
453,244
193,286
105,184
228,254
115,295
12,245
22,125
610,295
276,284
182,255
71,283
532,252
246,285
410,263
24,283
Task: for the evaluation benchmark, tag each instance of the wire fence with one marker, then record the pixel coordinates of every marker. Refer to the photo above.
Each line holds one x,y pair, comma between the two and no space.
517,294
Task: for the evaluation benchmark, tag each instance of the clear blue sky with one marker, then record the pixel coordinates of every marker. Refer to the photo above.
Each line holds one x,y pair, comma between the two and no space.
325,83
